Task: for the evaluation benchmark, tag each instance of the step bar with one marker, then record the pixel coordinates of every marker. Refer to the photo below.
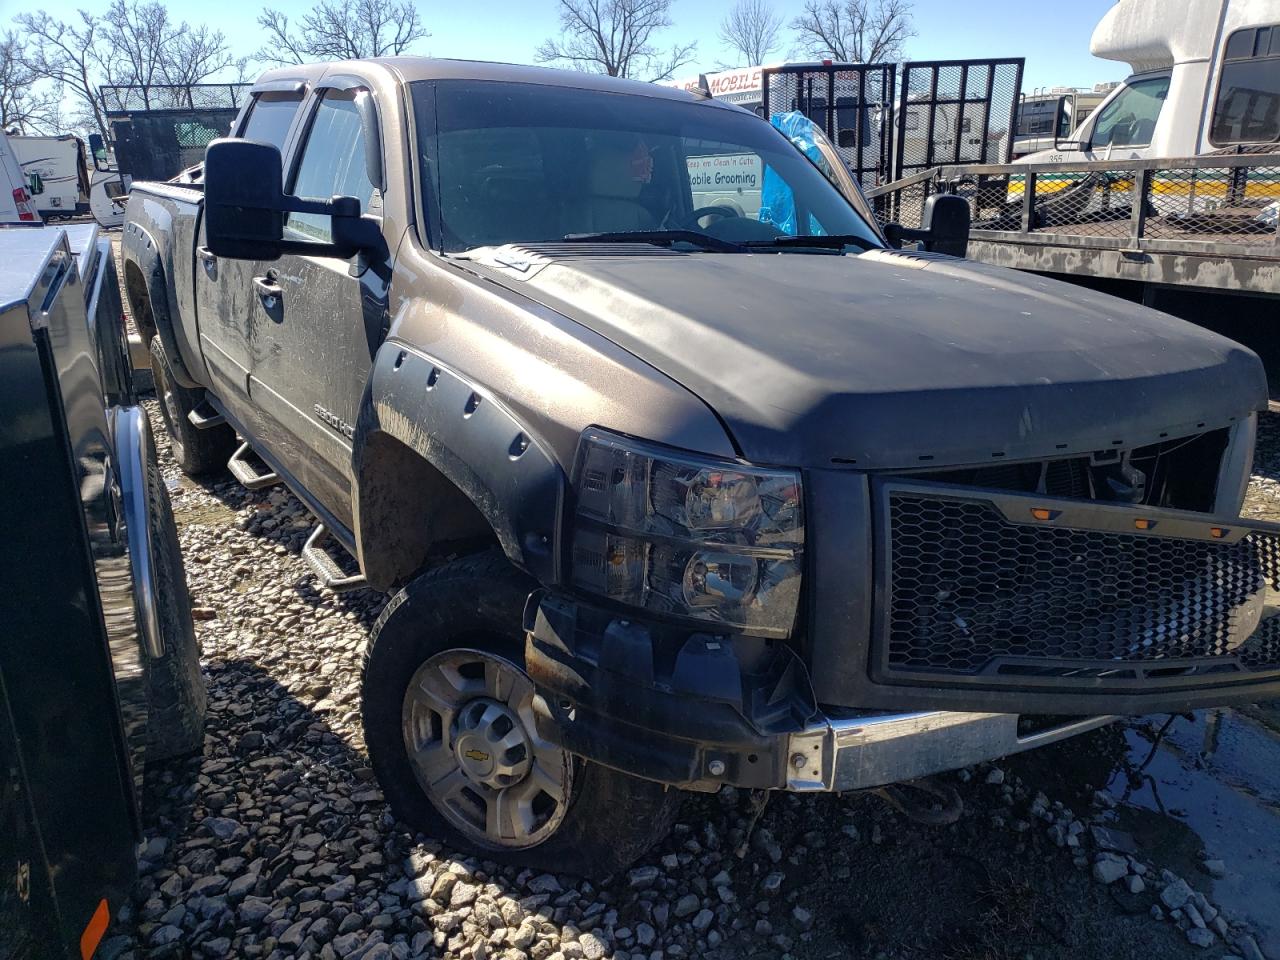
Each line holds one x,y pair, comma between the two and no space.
247,473
325,568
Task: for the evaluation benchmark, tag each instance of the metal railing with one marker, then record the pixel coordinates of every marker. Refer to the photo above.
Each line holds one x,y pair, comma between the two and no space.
120,99
1209,206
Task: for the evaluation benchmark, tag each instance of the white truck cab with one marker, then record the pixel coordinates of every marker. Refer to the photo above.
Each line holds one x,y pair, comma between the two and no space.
1206,77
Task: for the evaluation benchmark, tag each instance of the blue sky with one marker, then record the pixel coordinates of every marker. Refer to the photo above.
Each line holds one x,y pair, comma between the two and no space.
1056,47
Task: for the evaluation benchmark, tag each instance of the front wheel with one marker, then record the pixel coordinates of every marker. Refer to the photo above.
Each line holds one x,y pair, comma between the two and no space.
196,451
448,718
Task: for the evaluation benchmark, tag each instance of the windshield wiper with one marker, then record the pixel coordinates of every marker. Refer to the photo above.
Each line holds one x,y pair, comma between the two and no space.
660,237
836,241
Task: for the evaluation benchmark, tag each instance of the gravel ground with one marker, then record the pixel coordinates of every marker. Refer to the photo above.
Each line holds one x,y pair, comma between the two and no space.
277,843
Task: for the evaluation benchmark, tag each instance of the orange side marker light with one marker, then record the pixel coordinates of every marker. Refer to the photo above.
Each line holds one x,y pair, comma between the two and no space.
1218,532
1043,513
92,935
1144,524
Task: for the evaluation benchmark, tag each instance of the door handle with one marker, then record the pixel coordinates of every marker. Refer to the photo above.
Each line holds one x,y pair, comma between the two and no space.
268,289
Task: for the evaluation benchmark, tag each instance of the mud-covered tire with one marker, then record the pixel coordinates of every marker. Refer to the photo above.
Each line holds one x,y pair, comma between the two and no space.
610,818
176,694
196,451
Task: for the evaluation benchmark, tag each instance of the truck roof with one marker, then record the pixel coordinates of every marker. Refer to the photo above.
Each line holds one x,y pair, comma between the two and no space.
1142,34
410,69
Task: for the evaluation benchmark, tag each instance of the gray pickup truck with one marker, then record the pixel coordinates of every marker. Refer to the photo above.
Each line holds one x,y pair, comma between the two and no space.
681,474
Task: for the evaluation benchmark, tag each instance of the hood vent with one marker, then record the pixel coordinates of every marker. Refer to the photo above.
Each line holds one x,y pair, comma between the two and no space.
527,259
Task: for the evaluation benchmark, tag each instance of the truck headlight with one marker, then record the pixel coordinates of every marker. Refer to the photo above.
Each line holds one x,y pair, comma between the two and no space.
688,536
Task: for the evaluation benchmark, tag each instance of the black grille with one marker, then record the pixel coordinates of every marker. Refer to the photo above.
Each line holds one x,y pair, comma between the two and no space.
970,593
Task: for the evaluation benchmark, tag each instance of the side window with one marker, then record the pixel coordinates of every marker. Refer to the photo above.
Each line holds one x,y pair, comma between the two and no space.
496,183
1247,108
270,117
1130,119
332,165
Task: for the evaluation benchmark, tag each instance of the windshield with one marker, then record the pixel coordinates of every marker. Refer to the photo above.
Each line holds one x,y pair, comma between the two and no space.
1129,120
521,163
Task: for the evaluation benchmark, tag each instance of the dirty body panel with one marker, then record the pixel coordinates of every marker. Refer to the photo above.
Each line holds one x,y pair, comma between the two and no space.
896,360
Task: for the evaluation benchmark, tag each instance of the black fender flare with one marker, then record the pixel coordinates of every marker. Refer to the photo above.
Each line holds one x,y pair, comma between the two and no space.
472,447
141,249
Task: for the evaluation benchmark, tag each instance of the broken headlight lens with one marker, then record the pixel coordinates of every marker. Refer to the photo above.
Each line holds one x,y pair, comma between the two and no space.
684,536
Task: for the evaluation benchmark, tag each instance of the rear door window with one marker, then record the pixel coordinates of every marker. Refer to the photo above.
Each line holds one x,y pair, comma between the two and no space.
1247,107
270,117
332,165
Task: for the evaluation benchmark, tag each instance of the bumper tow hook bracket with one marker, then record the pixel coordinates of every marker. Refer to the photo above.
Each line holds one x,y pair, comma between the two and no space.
904,797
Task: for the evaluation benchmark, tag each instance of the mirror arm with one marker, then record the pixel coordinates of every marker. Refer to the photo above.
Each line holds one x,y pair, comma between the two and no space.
292,204
896,234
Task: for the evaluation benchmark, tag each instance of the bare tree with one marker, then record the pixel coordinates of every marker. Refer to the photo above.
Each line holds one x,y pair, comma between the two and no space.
616,37
197,53
752,30
134,43
342,30
856,31
26,104
69,55
147,48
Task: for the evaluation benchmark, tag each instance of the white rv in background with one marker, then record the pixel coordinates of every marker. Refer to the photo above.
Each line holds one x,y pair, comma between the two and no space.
1206,78
15,202
56,174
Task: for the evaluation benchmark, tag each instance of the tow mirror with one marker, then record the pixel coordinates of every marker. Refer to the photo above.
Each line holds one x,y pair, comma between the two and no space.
98,151
944,226
245,208
1064,126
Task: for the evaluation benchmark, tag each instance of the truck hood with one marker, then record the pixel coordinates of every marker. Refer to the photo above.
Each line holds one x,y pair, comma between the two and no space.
893,359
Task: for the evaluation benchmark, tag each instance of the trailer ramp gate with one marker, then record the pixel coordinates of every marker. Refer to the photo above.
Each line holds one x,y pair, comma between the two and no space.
945,111
849,103
956,111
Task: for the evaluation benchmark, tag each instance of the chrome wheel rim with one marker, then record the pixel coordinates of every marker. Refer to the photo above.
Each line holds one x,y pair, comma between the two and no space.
467,721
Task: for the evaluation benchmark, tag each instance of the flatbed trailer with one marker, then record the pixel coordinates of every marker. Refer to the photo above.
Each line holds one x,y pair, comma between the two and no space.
1198,237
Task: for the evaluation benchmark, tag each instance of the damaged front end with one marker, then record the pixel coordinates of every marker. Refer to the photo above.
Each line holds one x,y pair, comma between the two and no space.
945,617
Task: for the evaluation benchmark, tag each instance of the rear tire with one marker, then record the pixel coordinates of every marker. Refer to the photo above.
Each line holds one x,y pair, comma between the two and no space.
176,694
196,451
457,616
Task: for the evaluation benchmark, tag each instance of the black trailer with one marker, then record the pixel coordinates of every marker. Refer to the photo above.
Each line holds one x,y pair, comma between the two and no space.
97,626
158,131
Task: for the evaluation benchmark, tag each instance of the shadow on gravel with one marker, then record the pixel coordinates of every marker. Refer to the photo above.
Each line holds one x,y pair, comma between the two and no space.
276,823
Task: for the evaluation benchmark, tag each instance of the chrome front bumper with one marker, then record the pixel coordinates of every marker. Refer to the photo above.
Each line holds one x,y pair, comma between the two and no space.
873,751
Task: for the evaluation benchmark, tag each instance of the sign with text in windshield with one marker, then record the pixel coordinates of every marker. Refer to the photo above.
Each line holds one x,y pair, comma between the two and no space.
727,180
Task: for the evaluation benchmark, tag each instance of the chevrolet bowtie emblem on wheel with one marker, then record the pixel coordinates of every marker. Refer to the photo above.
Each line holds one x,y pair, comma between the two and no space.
477,755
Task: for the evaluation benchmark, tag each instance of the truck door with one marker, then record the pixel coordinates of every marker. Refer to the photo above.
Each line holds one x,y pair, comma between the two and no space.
225,300
319,320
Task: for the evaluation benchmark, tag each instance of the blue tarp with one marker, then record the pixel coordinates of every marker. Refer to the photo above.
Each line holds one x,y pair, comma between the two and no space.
777,203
